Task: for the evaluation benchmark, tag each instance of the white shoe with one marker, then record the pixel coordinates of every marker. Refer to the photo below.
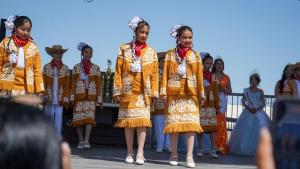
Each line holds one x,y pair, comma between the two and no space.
86,144
140,160
129,159
213,154
190,162
173,161
80,145
200,153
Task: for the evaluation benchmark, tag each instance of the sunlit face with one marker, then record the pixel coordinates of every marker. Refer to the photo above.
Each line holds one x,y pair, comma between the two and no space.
253,82
288,72
23,32
57,55
87,53
219,66
207,64
186,38
142,34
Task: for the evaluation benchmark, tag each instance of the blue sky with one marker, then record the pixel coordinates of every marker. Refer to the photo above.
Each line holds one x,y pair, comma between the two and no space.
250,35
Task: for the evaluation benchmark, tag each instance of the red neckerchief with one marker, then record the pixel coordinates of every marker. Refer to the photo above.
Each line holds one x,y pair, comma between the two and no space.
182,51
138,48
20,42
57,63
86,65
208,76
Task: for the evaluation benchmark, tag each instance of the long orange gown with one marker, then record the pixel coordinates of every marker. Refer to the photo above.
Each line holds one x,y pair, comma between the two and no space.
221,135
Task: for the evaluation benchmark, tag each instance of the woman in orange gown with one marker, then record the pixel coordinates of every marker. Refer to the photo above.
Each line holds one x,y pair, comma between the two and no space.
224,85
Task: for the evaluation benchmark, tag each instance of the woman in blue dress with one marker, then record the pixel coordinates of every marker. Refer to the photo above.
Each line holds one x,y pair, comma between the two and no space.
244,137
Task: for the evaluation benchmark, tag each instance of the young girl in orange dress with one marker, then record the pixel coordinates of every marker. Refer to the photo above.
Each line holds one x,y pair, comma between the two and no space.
210,108
182,91
224,85
135,87
286,86
86,94
158,115
20,60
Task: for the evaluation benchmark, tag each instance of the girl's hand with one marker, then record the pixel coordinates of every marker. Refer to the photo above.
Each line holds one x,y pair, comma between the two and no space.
117,99
252,110
201,101
165,100
41,94
99,104
153,101
222,89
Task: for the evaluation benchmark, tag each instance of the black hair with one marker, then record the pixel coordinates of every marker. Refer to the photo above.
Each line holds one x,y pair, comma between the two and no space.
283,77
86,47
141,24
256,77
27,138
181,30
213,70
20,20
207,56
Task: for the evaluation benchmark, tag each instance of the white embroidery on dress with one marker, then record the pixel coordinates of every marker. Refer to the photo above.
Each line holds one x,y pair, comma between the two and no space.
192,81
141,101
134,113
182,106
92,88
30,76
127,84
8,73
174,81
80,87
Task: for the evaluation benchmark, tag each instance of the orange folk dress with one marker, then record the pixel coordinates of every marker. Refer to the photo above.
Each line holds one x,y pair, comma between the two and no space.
86,93
182,114
221,135
20,79
208,119
135,88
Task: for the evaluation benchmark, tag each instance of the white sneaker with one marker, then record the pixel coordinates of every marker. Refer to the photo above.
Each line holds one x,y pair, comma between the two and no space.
86,144
213,154
80,145
190,162
140,160
129,159
173,161
200,153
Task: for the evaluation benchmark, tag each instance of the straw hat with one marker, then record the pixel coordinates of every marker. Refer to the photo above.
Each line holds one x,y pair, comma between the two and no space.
55,48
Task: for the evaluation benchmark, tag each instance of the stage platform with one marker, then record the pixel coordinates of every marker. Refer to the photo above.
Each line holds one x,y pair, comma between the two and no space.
112,157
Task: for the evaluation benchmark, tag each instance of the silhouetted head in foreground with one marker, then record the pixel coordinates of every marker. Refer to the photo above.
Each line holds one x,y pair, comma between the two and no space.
28,139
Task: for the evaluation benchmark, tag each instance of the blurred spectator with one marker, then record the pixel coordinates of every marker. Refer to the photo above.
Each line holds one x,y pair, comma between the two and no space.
286,86
297,77
28,138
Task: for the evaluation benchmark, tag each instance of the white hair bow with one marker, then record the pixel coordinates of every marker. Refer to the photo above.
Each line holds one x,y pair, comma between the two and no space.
81,45
173,31
9,23
133,23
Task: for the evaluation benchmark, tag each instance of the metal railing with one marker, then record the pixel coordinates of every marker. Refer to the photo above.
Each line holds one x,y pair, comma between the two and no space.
234,108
